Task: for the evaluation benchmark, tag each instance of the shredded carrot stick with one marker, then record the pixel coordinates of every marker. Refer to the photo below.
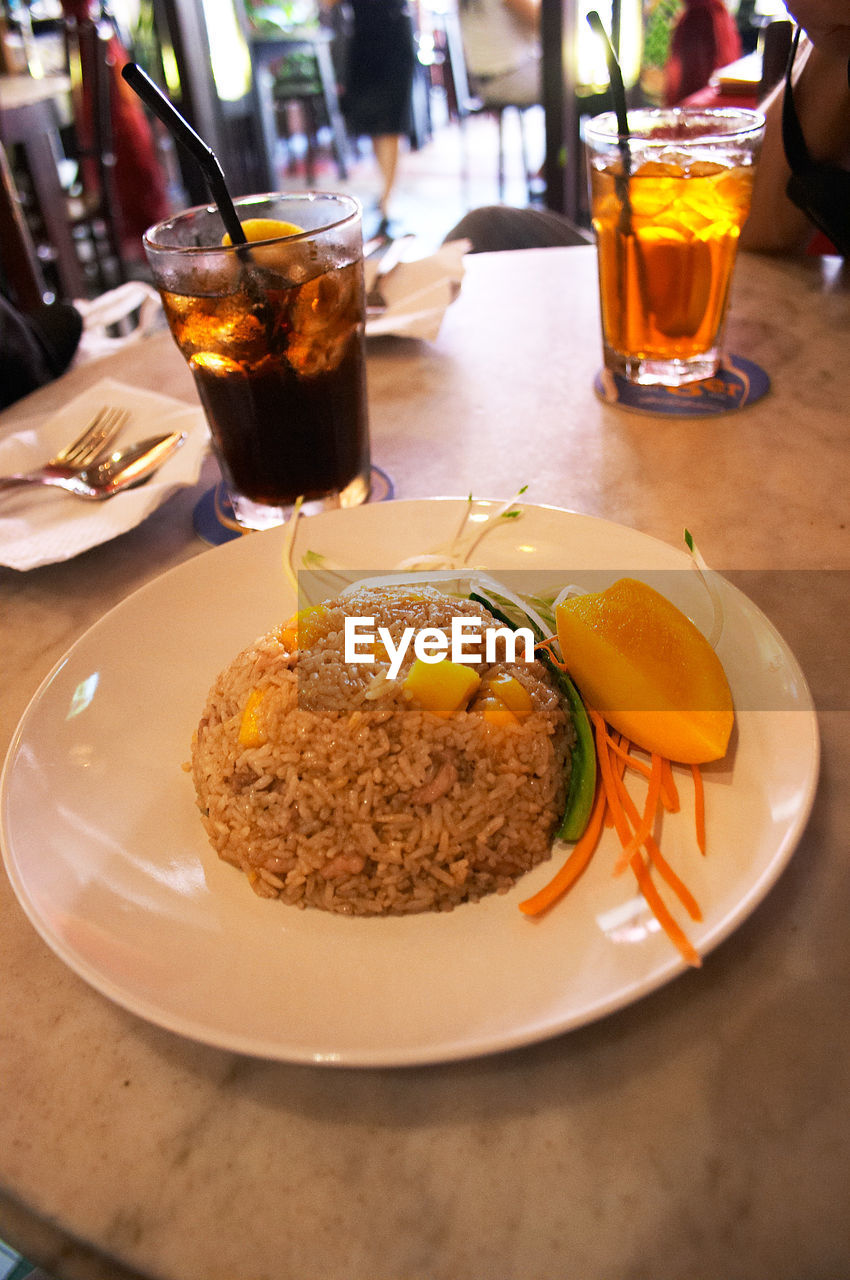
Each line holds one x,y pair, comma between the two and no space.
643,827
633,762
546,646
673,930
661,864
606,771
669,793
580,856
678,886
615,791
618,764
614,806
699,806
621,763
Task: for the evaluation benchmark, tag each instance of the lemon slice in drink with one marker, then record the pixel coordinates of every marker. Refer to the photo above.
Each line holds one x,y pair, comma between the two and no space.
264,229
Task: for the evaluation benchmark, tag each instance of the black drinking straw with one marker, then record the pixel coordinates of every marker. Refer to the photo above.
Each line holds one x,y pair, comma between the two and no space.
618,94
615,79
182,132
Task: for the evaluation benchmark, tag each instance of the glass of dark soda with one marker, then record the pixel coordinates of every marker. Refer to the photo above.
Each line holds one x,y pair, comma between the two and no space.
273,332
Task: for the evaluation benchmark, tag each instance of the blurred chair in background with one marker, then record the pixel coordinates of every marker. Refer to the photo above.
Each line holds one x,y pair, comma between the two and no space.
294,52
495,228
38,339
30,134
301,87
121,186
774,45
20,269
92,197
494,55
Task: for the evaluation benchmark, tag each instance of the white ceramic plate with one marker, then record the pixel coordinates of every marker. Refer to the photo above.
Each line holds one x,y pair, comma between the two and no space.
43,526
106,853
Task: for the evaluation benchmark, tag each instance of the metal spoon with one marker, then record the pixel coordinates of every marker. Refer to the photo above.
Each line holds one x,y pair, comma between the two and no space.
103,479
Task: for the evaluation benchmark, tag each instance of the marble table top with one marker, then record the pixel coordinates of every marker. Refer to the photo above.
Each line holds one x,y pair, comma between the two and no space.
700,1132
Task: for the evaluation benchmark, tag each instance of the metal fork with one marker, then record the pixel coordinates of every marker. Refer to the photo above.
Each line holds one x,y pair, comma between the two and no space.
96,439
80,453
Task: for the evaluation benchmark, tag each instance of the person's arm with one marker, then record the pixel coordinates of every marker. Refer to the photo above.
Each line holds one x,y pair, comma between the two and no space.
822,99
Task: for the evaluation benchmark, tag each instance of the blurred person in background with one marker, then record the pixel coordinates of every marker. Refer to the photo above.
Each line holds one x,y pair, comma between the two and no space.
35,348
704,37
378,84
821,89
826,23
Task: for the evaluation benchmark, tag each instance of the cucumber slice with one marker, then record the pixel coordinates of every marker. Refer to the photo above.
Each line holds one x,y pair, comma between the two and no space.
582,784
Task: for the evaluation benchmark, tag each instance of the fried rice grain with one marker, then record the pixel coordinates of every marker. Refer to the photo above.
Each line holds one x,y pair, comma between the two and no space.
347,796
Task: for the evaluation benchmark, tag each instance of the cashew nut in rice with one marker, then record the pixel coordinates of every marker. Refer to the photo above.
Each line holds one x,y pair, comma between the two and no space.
442,781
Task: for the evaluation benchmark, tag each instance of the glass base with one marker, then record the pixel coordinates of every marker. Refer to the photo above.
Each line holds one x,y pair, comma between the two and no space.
737,383
663,373
257,515
214,522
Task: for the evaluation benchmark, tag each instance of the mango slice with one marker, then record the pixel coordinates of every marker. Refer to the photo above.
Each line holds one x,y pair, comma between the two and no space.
304,628
251,730
288,637
515,696
495,711
648,670
441,687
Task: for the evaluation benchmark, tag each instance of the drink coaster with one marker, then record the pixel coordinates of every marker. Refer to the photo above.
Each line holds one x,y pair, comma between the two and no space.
738,382
215,523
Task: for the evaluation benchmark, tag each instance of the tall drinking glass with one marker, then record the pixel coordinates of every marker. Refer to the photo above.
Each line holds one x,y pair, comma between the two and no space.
273,332
668,204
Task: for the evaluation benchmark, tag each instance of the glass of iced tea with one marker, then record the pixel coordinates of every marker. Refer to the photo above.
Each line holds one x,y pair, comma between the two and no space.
668,204
273,332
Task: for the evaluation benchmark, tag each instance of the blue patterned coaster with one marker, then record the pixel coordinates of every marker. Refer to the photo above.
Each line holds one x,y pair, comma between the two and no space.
215,523
738,382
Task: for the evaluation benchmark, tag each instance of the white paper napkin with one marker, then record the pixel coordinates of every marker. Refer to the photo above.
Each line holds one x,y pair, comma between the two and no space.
43,526
417,293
